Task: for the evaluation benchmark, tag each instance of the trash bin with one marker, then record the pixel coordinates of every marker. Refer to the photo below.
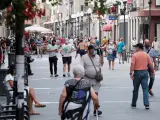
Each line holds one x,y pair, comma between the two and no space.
3,73
11,59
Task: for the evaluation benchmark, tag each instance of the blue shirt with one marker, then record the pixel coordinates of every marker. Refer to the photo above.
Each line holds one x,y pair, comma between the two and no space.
120,46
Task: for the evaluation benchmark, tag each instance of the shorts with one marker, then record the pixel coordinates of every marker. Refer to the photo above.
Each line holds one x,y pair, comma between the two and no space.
67,60
95,85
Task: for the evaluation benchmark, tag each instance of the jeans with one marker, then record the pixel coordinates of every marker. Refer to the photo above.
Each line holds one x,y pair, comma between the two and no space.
140,77
53,61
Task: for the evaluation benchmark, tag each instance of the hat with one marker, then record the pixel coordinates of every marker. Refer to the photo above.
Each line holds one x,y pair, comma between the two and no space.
139,45
90,47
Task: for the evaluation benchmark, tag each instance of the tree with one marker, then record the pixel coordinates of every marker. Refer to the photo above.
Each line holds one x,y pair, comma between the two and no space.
55,2
99,6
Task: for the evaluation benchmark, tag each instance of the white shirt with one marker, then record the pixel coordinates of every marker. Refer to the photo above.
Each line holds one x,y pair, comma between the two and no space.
51,47
67,50
155,45
7,78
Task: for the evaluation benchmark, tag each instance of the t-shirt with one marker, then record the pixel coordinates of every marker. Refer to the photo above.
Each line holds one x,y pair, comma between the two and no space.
7,78
151,52
156,45
120,46
52,47
67,50
81,85
88,65
39,42
140,60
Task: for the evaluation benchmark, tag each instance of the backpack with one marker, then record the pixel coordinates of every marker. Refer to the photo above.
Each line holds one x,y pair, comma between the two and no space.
79,97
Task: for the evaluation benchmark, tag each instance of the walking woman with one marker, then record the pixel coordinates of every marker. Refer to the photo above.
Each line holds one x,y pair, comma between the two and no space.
121,47
111,49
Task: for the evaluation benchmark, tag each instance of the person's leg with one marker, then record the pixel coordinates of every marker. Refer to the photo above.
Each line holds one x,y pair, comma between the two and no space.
33,96
113,65
51,66
136,84
55,66
29,69
38,51
109,64
41,51
144,85
120,57
69,61
151,82
64,66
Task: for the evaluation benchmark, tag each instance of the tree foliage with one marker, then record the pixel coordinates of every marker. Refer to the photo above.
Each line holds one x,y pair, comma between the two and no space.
99,6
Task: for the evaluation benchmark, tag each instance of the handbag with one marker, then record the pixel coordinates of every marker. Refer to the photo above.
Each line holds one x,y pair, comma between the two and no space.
99,76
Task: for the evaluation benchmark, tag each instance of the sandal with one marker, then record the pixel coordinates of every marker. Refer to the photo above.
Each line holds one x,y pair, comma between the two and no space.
40,105
34,113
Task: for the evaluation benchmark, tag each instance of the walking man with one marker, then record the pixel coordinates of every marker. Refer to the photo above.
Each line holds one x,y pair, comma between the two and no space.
39,43
151,52
92,64
52,49
67,57
139,74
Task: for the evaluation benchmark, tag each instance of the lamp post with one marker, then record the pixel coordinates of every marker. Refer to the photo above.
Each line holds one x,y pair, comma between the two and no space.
89,12
78,15
123,12
81,14
149,30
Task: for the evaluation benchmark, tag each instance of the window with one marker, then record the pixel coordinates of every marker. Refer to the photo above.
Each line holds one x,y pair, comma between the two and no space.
157,2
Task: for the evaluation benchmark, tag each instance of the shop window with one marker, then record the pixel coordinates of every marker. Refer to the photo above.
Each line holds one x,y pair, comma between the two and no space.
158,3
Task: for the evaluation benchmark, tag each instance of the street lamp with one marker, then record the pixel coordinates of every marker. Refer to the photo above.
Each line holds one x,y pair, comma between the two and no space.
81,15
74,16
78,15
89,12
149,31
123,12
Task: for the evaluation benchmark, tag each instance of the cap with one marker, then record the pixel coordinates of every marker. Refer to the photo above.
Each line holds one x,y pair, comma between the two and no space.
139,45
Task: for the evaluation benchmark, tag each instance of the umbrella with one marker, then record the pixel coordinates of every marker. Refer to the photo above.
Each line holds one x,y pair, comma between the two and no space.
37,28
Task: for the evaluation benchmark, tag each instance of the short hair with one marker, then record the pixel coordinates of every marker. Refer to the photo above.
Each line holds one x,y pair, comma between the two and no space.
139,45
78,71
90,47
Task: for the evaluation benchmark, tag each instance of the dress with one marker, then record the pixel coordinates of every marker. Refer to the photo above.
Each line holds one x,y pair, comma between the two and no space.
111,56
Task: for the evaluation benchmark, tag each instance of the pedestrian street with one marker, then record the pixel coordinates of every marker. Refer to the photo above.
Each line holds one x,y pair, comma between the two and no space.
115,93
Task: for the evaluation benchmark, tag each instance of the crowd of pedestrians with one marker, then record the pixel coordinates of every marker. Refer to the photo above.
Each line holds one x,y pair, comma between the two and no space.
88,75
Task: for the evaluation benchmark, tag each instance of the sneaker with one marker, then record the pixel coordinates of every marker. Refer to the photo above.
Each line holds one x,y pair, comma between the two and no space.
99,113
56,75
51,75
151,93
133,106
69,75
64,75
30,74
147,107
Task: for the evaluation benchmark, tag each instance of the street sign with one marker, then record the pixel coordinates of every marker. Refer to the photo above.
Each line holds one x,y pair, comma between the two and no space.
112,17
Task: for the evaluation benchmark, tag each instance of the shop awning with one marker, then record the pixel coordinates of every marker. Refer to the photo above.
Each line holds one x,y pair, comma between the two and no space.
107,27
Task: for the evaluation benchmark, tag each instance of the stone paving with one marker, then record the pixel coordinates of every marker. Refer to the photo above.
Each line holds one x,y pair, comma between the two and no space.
115,94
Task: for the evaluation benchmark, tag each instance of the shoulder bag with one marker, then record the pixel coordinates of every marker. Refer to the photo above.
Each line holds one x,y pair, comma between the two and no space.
99,76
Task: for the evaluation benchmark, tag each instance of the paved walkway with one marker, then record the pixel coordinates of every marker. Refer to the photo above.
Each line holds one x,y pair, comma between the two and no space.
115,94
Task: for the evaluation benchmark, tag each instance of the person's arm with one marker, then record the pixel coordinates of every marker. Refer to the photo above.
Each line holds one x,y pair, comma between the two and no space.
132,67
61,101
11,83
101,56
150,64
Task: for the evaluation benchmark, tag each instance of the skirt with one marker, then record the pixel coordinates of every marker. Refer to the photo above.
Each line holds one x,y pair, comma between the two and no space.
110,57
